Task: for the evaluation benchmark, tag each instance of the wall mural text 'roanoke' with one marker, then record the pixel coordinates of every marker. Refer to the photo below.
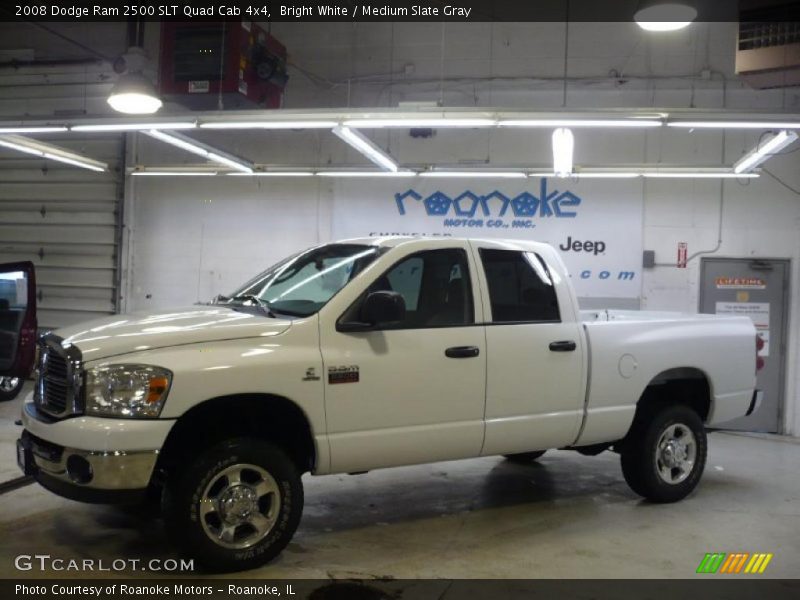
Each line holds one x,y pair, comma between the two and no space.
468,208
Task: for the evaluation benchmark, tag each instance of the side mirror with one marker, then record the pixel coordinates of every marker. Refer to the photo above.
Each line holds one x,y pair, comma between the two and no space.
383,308
17,319
379,309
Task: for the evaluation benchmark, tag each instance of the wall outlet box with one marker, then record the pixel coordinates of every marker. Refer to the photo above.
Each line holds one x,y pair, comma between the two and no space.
649,259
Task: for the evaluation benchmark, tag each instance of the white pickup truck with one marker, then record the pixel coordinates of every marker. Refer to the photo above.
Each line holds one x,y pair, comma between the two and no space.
365,354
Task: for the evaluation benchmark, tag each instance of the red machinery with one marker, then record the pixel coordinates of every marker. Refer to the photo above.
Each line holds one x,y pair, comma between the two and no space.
239,60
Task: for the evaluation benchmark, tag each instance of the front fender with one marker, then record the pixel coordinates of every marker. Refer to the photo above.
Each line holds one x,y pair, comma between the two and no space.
279,365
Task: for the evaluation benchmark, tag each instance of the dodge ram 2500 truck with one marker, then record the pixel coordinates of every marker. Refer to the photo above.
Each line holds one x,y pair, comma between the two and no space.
365,354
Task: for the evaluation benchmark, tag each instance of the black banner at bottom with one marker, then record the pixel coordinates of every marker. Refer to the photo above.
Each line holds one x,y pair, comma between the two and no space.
400,589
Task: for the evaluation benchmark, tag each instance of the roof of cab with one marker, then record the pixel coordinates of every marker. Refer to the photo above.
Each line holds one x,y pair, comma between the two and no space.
392,241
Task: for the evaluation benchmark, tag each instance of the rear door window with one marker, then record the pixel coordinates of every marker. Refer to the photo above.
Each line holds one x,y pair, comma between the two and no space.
521,289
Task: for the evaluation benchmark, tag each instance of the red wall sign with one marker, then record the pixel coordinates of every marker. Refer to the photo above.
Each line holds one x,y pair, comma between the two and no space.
683,250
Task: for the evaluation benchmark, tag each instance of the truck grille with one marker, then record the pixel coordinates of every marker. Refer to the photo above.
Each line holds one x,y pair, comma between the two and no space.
56,390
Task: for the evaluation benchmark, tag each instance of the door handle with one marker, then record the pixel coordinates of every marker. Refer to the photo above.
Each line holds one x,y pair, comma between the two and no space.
563,346
462,352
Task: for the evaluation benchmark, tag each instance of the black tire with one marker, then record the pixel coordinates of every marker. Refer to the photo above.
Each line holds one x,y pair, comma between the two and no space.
648,469
191,531
10,387
525,457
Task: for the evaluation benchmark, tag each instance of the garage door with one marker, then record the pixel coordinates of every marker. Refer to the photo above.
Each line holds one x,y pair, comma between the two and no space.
66,221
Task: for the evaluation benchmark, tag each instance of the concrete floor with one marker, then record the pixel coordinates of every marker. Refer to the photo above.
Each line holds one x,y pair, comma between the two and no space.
569,516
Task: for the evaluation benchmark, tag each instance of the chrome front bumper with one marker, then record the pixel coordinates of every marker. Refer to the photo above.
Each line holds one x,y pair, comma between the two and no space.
91,459
87,469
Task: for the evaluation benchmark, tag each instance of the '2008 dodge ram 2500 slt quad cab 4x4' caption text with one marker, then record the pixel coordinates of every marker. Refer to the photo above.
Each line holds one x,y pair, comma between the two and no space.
365,354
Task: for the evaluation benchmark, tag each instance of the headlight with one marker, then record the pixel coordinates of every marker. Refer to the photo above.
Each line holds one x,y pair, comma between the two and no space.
127,391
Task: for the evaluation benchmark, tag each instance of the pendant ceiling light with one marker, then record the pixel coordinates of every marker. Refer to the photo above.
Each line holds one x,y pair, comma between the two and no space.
661,15
134,93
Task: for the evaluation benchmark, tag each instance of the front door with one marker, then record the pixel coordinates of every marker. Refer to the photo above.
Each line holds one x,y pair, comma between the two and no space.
757,289
17,319
412,392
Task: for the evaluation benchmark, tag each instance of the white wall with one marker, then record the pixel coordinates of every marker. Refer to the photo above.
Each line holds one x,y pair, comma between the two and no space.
193,238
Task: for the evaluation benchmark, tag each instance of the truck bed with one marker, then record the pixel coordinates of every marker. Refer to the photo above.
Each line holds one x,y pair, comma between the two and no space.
641,315
629,349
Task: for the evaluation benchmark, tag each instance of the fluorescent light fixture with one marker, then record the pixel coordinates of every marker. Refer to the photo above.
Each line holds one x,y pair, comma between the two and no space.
232,163
20,148
32,129
84,164
178,141
611,123
366,173
482,174
274,174
463,174
186,143
134,94
175,173
134,126
419,122
661,15
735,124
605,175
269,125
685,174
698,175
51,152
563,146
366,147
765,149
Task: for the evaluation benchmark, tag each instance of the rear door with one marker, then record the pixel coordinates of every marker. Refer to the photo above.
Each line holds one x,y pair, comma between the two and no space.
535,372
17,318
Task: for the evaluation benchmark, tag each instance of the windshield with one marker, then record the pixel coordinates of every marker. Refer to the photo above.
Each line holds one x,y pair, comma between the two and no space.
302,284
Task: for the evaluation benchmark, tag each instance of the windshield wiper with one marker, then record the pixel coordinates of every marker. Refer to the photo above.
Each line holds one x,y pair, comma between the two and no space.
255,300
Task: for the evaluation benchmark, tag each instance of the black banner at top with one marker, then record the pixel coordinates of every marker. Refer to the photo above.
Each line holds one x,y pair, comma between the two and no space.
385,10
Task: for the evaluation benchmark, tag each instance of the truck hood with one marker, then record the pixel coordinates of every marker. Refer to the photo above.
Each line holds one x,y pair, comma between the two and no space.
122,334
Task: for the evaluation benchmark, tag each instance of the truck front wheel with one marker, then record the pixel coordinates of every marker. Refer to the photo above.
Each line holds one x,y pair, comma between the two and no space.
664,454
236,506
10,387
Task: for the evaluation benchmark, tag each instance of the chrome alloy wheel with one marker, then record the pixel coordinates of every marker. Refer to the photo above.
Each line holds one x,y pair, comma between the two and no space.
8,384
240,506
676,453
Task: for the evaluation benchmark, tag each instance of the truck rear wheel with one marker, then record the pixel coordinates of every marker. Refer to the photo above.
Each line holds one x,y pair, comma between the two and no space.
664,454
236,506
526,457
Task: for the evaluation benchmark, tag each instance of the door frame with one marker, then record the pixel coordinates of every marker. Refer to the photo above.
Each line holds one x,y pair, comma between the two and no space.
784,324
